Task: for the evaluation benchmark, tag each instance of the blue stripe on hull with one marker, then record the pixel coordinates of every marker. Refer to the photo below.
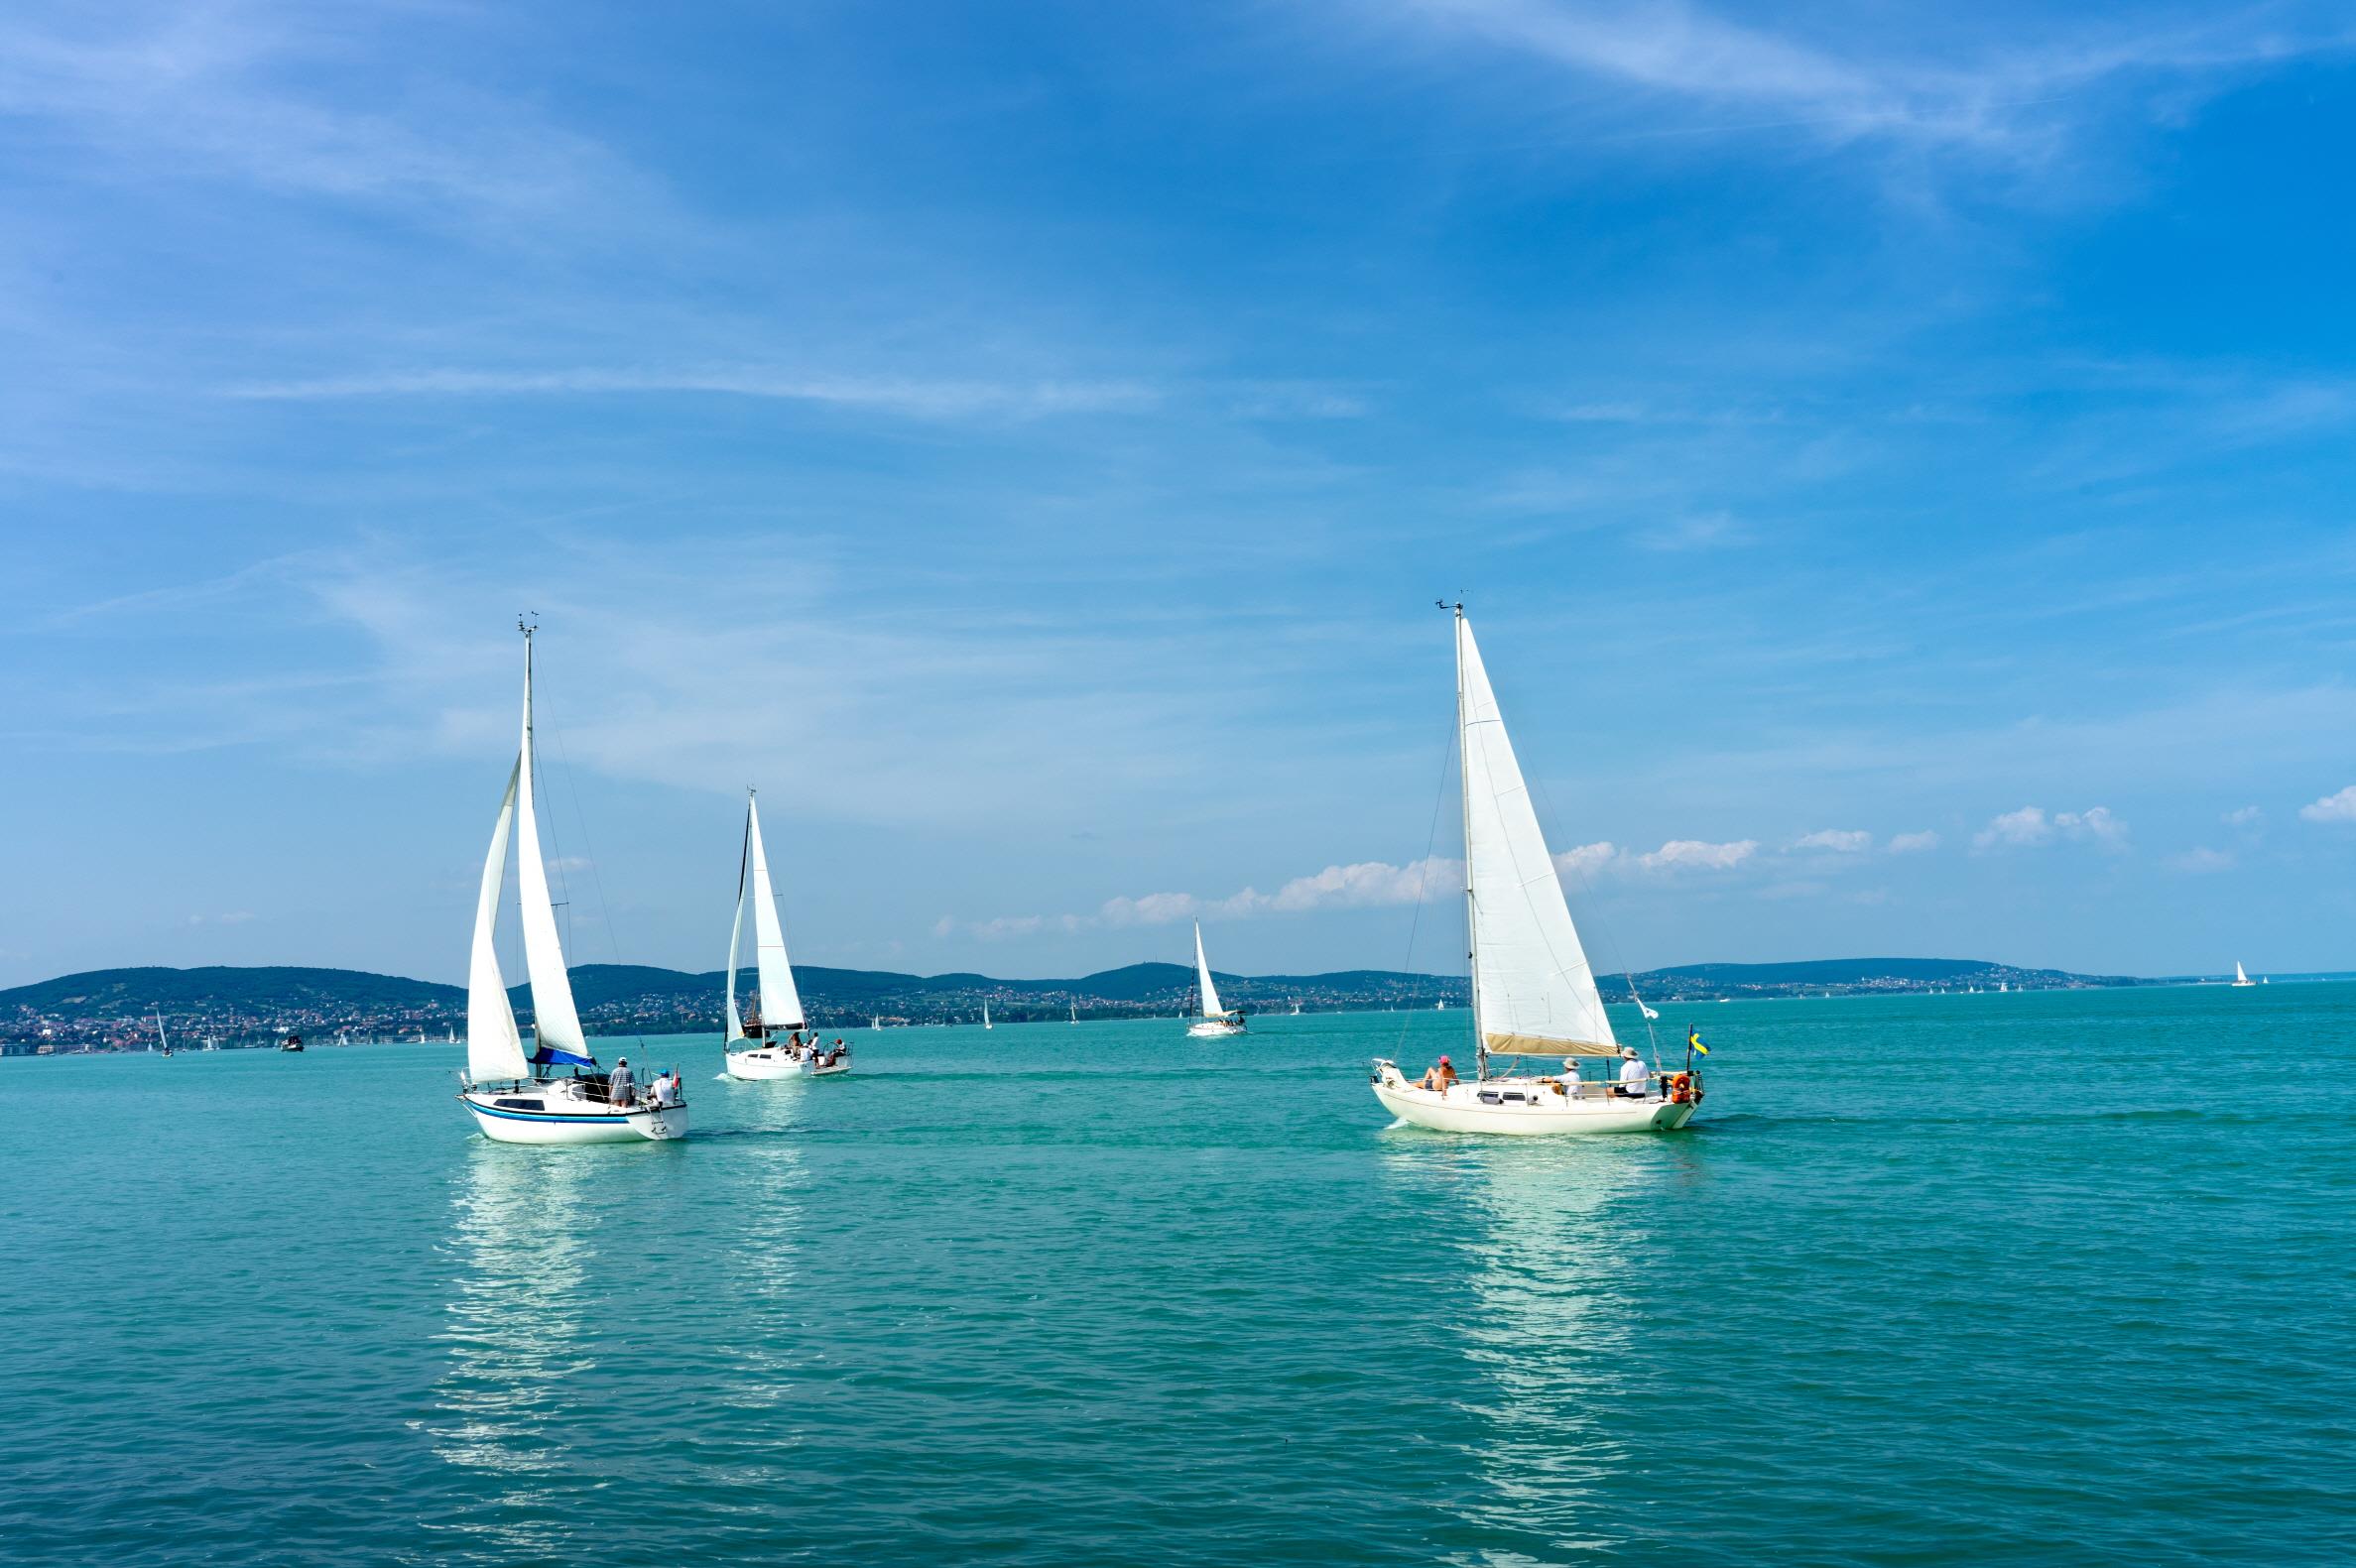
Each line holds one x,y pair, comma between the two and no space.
616,1120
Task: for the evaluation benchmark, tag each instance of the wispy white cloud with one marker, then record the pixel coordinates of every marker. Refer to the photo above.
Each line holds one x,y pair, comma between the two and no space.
2202,861
1912,843
916,397
2244,817
2337,807
2029,827
1689,854
1836,841
1588,859
2008,94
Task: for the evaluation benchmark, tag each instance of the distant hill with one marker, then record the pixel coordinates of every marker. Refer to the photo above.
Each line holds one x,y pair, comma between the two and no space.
113,1005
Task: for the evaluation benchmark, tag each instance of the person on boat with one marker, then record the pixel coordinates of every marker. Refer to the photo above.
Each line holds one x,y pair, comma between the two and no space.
622,1087
1570,1077
1443,1074
1635,1077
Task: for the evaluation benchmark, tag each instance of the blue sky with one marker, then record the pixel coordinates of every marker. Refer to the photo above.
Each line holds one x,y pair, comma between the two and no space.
1898,465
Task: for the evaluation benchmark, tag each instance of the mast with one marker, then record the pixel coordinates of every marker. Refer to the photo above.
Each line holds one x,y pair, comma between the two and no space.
1472,942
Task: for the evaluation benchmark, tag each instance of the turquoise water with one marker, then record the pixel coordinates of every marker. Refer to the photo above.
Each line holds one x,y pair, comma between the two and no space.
2002,1278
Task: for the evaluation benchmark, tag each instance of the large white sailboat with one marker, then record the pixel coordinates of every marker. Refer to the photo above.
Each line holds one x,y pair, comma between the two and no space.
2241,976
1215,1021
1533,990
769,1043
556,1095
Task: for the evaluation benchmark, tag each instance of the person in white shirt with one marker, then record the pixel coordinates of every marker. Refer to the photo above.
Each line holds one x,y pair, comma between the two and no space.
1570,1077
1635,1077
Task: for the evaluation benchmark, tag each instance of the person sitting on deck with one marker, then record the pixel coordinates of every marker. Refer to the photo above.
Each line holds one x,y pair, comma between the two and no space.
1570,1077
1635,1077
622,1087
1440,1076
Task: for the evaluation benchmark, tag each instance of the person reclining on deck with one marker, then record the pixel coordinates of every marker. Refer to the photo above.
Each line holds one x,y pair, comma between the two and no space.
1635,1077
1440,1076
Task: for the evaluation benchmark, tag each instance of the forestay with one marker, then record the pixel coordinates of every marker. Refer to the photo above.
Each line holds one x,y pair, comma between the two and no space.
1534,988
557,1024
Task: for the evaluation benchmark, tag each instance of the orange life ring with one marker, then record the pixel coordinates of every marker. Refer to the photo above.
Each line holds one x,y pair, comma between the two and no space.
1680,1087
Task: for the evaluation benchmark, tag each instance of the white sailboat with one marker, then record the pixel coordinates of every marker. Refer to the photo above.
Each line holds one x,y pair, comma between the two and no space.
520,1099
161,1044
1215,1021
2241,976
1075,1013
985,1012
1533,990
771,1040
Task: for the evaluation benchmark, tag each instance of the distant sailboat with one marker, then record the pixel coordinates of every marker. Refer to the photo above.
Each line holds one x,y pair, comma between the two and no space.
161,1044
1215,1021
773,1046
517,1099
1296,1007
875,1024
985,1012
1533,989
1075,1013
2241,976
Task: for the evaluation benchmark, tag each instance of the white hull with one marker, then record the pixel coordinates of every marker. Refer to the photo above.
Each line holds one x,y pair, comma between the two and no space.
555,1113
763,1062
1524,1106
1213,1029
811,1069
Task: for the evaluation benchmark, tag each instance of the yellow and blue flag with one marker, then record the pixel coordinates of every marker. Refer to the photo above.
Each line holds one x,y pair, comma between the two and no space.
1693,1041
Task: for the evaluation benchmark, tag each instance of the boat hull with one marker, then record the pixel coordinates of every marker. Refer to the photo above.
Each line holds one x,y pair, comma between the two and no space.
526,1115
1542,1110
1212,1029
763,1064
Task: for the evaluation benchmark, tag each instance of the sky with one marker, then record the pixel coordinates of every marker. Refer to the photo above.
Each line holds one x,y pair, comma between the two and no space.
1898,464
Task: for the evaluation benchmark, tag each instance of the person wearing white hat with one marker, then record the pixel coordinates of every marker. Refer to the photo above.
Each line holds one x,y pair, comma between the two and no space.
622,1087
1635,1077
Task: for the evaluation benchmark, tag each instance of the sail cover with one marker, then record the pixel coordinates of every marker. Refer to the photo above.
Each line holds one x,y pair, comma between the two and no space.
1535,989
556,1027
780,1004
1210,992
494,1050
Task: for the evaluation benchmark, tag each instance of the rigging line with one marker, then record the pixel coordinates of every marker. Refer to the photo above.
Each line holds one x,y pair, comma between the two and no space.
1440,797
613,940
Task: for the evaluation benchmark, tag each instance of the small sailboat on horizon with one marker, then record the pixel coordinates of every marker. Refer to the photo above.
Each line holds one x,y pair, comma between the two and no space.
985,1012
1213,1021
2241,976
520,1099
1533,989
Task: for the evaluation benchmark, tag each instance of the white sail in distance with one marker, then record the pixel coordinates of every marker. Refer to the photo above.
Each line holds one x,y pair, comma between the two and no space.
494,1048
1534,991
780,1004
556,1021
1210,992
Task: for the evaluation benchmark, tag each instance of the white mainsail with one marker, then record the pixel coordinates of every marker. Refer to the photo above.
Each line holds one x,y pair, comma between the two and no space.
555,1023
1210,992
494,1048
780,1004
2241,976
1534,991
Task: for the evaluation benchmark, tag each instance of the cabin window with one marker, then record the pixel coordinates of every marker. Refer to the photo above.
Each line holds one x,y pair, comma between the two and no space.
521,1105
1514,1095
1488,1096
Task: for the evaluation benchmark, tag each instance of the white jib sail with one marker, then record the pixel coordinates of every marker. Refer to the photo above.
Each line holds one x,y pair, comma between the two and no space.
494,1048
555,1020
2241,976
736,931
780,1004
1535,990
1210,992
